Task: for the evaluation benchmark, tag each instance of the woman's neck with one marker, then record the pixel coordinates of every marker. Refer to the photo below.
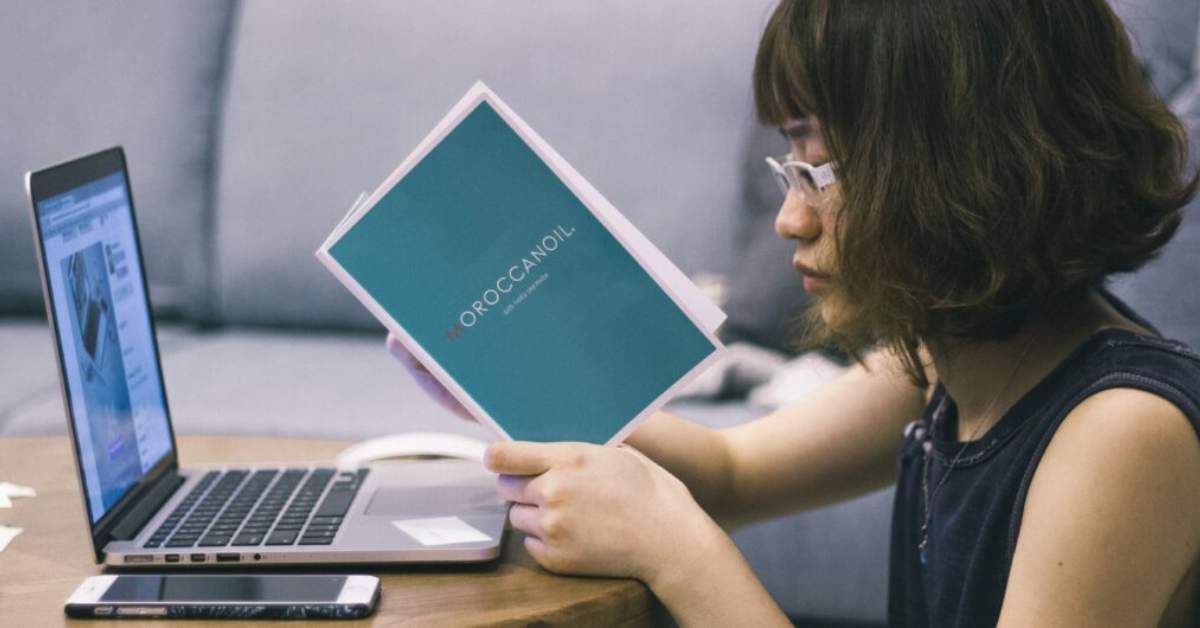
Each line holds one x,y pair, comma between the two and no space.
985,379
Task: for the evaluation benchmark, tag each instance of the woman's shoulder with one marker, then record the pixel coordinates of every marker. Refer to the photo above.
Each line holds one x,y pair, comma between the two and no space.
1116,486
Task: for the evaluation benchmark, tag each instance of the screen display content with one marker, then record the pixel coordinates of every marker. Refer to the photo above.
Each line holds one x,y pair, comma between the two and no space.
178,588
103,321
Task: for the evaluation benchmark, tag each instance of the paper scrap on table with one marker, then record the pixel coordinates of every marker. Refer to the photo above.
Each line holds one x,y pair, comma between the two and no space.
441,531
16,490
8,490
8,534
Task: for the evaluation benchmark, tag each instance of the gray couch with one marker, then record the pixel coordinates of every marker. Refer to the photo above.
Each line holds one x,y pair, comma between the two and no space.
251,126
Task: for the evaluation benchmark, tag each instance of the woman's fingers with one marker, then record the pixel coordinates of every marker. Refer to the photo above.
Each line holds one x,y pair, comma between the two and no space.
396,348
526,458
538,550
515,488
425,379
526,518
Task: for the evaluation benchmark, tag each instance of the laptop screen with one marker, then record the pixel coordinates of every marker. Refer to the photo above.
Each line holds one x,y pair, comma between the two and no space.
105,337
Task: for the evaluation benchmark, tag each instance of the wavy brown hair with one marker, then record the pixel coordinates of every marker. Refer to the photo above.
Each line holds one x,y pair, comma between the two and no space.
994,156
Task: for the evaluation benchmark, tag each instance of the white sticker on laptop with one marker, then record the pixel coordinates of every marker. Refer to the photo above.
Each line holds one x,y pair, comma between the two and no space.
441,531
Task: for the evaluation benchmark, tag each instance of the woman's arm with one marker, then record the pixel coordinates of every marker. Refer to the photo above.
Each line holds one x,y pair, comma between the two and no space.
1112,521
716,586
840,441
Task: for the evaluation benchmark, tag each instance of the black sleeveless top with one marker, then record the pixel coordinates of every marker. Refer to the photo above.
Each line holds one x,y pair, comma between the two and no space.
959,578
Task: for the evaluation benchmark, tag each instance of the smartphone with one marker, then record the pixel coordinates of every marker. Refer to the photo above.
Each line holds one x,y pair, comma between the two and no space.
225,596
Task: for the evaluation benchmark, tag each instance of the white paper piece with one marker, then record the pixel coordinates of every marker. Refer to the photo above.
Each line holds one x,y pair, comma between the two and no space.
7,534
9,489
441,531
362,196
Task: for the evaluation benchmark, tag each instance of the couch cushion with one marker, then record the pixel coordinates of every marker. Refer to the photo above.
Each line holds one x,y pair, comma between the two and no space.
81,77
1163,34
830,563
651,102
30,393
27,362
264,383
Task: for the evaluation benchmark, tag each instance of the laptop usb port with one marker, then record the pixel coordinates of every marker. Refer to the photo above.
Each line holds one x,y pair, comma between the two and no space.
228,558
139,559
172,558
197,558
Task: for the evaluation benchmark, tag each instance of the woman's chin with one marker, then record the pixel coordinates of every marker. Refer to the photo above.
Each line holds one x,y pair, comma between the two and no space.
828,309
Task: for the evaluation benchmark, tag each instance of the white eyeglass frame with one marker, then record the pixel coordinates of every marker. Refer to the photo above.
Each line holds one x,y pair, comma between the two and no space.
816,184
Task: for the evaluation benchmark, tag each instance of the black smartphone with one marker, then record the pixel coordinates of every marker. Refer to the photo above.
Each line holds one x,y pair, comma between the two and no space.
276,596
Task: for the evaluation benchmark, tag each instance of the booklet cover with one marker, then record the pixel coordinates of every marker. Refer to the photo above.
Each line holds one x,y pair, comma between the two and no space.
537,305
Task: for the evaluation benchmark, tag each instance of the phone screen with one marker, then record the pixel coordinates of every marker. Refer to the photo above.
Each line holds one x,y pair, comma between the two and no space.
180,588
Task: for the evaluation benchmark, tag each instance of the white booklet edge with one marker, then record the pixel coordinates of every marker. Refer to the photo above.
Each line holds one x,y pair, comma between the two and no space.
701,311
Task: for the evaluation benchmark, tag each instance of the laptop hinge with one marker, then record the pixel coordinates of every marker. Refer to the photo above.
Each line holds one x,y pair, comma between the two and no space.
141,512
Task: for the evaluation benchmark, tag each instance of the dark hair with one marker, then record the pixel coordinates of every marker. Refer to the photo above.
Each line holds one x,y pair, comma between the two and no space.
993,157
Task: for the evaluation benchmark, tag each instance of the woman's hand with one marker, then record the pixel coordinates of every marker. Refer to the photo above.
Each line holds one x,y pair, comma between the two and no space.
427,381
601,511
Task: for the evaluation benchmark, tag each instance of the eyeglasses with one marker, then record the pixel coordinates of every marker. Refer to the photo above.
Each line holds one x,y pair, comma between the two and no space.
811,182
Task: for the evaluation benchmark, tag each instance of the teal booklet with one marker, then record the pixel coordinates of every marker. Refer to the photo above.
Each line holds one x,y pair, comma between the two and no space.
529,297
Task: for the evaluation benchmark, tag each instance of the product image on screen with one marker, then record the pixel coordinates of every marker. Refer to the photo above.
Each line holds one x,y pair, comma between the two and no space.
105,393
224,589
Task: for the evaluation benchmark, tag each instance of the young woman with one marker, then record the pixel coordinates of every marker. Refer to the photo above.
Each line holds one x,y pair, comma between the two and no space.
961,179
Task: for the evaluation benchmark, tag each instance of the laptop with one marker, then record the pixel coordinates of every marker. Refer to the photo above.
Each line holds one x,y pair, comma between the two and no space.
143,510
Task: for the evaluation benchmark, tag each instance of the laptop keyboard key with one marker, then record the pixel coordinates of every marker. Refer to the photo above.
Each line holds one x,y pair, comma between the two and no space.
282,538
336,503
248,539
214,540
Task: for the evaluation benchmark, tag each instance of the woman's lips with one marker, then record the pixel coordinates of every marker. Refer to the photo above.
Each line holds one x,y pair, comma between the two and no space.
813,280
814,284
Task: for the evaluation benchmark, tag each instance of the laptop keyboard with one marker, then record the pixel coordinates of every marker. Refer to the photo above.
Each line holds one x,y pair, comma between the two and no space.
261,507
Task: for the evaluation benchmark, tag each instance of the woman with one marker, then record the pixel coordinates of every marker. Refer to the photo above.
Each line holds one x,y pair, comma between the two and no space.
962,178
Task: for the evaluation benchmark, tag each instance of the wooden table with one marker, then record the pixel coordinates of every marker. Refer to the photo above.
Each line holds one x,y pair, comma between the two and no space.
43,565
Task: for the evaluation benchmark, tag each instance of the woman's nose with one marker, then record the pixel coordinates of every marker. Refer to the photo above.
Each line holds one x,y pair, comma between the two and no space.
797,220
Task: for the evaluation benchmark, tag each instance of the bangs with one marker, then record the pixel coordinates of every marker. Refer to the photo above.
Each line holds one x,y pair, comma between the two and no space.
782,79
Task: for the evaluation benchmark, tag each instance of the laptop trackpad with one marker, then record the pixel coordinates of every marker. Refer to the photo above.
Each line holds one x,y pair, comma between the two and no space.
418,501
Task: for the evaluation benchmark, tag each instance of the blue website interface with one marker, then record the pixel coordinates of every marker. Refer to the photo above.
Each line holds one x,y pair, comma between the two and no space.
105,336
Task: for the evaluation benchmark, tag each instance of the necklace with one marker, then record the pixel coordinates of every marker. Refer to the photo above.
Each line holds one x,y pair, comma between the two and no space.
926,496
